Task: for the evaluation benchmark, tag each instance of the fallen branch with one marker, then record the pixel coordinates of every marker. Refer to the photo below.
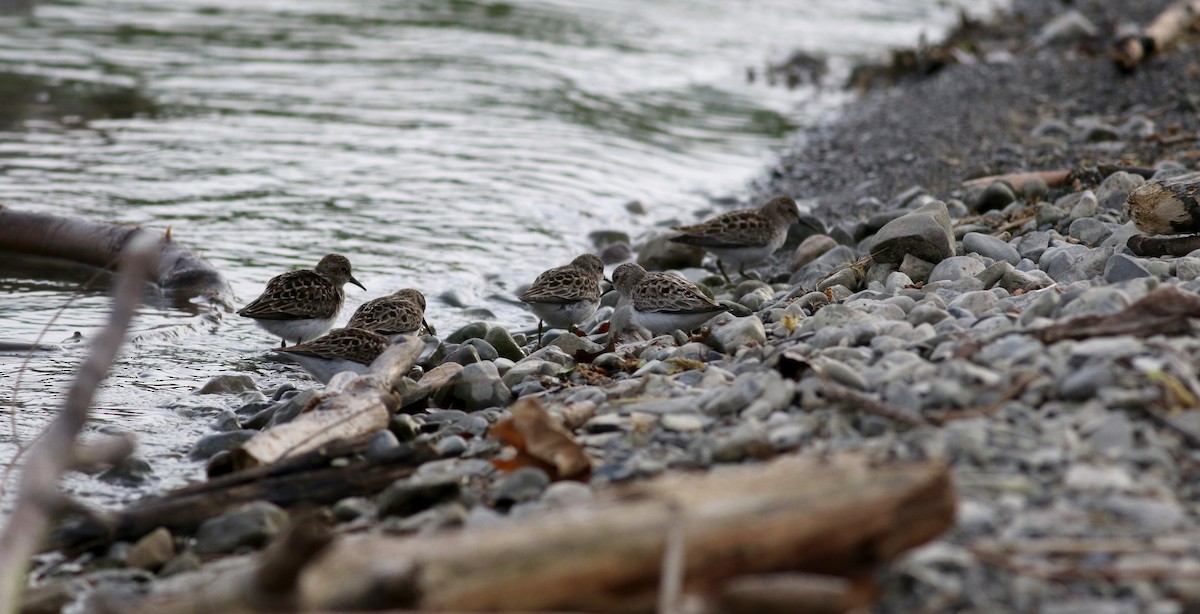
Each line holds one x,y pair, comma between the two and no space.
361,409
310,479
839,517
1164,311
54,453
177,270
1055,179
1142,245
1020,383
837,393
1130,50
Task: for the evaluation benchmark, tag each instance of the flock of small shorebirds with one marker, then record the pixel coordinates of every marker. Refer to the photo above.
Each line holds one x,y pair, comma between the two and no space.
301,306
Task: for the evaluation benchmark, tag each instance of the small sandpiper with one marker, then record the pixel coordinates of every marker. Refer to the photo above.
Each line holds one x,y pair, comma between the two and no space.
301,305
393,316
743,237
663,302
343,349
567,295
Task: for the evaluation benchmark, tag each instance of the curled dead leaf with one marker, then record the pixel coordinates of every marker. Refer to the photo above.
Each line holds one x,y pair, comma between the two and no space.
540,442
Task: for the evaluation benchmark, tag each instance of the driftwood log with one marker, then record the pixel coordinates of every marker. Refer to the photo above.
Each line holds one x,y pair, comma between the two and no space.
835,517
1130,50
179,271
57,450
361,409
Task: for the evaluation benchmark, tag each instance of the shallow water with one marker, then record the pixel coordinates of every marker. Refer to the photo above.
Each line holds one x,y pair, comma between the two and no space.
452,146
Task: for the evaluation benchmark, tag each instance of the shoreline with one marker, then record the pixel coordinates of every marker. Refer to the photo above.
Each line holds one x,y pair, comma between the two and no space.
1051,440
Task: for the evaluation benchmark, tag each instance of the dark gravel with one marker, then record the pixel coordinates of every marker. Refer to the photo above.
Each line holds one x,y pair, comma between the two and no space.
968,120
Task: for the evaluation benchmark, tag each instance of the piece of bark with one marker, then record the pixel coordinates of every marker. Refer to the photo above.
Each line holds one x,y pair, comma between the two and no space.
540,442
361,409
1164,311
179,271
1150,247
839,516
1130,50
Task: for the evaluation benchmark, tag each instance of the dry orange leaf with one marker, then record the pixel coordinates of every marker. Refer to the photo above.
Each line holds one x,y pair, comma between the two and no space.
540,442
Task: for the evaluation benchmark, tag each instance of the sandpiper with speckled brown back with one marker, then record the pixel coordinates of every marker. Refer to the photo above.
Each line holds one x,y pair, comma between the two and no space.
743,237
343,349
301,305
663,302
567,295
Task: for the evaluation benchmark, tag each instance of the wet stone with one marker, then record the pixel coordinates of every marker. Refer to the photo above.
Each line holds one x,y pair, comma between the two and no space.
659,254
228,384
465,354
499,338
484,350
524,484
404,427
211,444
350,508
131,471
152,551
1048,214
454,445
474,330
1116,188
1033,245
411,495
380,444
251,526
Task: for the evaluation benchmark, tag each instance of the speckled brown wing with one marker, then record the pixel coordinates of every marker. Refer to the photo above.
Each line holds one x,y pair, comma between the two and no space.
388,316
296,295
356,344
747,228
564,284
664,293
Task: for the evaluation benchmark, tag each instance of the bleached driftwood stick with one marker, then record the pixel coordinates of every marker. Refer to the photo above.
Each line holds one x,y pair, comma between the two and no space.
38,498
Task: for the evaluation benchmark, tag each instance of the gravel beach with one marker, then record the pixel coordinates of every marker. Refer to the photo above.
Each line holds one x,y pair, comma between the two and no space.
926,322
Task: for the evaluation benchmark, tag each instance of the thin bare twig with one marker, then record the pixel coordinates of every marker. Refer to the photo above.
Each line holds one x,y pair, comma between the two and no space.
838,393
53,452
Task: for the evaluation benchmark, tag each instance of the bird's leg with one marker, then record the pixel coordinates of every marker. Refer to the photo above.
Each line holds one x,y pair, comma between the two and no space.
721,268
539,334
282,343
742,270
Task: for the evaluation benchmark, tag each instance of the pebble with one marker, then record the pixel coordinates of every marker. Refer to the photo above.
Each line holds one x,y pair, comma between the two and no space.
152,551
249,526
812,248
925,233
991,247
209,445
228,384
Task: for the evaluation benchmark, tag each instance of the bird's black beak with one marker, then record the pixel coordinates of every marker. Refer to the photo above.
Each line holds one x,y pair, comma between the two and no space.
428,327
355,282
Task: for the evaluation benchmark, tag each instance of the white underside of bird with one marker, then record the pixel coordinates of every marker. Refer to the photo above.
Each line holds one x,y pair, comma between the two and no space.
564,315
323,369
663,322
297,331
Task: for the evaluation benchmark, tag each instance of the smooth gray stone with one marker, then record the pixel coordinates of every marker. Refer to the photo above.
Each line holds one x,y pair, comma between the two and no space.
729,334
1123,268
1116,188
1090,231
955,268
991,247
925,232
504,344
476,386
658,253
227,384
524,484
251,525
208,445
483,348
411,495
1033,245
1084,205
1048,214
464,355
996,196
131,471
812,248
474,330
917,269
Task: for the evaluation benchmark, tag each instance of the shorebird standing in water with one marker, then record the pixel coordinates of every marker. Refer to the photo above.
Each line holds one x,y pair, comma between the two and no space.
301,305
343,349
400,313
